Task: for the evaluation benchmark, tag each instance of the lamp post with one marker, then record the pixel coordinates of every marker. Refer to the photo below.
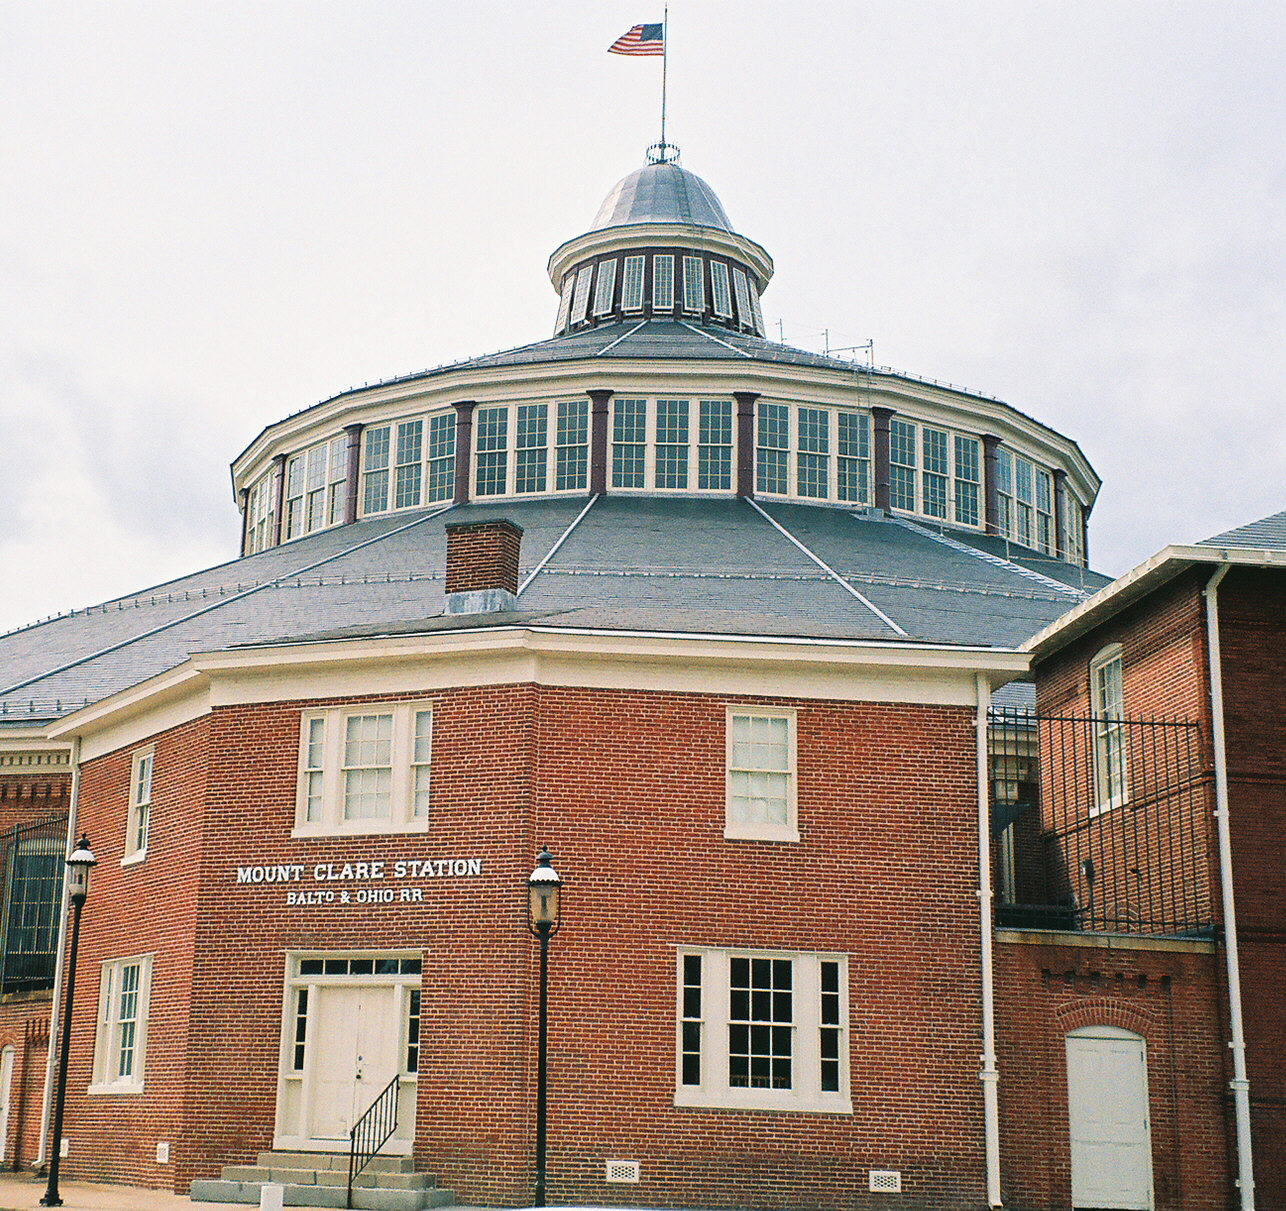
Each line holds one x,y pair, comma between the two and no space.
82,858
544,915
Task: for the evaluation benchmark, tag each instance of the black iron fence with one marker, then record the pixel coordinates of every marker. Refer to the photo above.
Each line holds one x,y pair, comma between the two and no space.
33,857
1100,823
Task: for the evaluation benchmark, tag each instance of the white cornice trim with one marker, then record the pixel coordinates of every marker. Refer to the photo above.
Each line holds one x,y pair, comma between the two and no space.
1137,583
846,670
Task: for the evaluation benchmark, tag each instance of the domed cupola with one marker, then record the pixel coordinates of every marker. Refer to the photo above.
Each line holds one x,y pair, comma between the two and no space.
660,248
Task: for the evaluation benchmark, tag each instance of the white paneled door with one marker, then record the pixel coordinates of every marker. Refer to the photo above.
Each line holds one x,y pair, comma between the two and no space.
1107,1103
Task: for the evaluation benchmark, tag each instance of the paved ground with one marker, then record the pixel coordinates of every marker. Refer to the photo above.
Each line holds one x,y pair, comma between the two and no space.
19,1192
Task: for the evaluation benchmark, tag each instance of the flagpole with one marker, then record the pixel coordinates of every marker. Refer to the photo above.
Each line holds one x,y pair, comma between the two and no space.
665,60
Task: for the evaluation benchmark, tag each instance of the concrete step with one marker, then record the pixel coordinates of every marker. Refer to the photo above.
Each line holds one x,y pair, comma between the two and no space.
326,1177
368,1198
332,1160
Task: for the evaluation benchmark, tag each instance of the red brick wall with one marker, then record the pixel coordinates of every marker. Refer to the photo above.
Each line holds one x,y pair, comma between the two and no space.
144,908
1252,632
628,791
1171,998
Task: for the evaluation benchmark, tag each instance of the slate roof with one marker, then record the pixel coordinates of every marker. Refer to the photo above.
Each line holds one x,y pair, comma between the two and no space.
635,563
1266,534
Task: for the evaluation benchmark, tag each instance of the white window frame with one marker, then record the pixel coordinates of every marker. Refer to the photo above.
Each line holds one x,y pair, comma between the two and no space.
565,301
741,289
580,301
720,290
331,820
805,1094
109,1035
632,284
663,300
694,290
1111,739
551,448
604,288
391,469
138,818
736,829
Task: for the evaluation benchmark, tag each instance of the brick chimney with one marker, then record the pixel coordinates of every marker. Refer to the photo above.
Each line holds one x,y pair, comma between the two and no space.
482,565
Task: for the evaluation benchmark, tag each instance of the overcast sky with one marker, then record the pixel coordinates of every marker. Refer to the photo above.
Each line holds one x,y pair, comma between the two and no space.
213,215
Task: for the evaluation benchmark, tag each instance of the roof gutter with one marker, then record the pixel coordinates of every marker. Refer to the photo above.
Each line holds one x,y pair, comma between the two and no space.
1239,1084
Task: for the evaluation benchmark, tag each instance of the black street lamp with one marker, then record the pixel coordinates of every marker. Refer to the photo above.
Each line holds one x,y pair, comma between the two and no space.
544,915
82,858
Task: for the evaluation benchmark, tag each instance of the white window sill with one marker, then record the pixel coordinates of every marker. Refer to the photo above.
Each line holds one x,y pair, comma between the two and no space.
762,1099
759,832
1111,805
117,1087
364,828
139,855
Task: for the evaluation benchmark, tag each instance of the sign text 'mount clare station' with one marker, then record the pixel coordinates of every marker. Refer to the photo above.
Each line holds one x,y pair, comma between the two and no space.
363,872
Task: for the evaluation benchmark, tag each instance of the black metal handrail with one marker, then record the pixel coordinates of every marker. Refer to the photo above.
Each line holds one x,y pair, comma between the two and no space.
371,1132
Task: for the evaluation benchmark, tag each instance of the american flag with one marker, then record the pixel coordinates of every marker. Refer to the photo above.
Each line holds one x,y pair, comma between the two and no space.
641,40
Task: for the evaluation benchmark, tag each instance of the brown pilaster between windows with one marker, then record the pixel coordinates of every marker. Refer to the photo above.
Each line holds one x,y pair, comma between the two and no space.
598,441
463,448
354,461
745,442
991,486
279,463
880,419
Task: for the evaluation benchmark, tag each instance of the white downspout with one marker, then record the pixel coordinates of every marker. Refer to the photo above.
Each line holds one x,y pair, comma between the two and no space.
989,1076
46,1103
1239,1084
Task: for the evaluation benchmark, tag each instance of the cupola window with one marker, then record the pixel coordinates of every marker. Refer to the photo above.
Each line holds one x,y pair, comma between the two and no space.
714,450
672,443
693,285
742,292
756,315
580,301
1074,533
573,444
441,457
1005,491
720,295
1024,501
1044,511
565,301
337,481
663,282
603,290
632,284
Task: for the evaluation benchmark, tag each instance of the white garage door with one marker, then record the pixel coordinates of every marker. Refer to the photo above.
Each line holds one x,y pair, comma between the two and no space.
1107,1103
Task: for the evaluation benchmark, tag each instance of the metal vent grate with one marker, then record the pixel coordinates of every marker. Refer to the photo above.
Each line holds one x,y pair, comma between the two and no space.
886,1181
623,1171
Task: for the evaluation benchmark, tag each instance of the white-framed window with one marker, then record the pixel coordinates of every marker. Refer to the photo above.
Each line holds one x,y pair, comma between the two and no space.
694,294
604,287
632,284
1024,502
760,775
261,512
902,465
967,481
337,481
1073,528
1005,491
936,471
663,282
672,443
814,453
375,483
120,1044
580,300
364,769
1044,511
714,445
629,443
720,291
531,459
772,447
293,522
853,446
1111,755
491,437
745,318
762,1030
565,301
571,467
140,806
408,464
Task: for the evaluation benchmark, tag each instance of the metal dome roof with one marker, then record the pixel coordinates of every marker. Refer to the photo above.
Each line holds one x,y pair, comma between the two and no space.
661,193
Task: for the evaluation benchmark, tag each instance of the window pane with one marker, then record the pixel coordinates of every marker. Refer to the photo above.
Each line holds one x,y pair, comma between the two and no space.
714,448
629,438
532,442
604,287
632,284
814,446
773,451
572,465
672,443
693,284
493,450
663,283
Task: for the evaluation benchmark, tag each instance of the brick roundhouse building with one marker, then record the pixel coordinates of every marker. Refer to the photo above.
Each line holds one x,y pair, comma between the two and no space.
745,635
